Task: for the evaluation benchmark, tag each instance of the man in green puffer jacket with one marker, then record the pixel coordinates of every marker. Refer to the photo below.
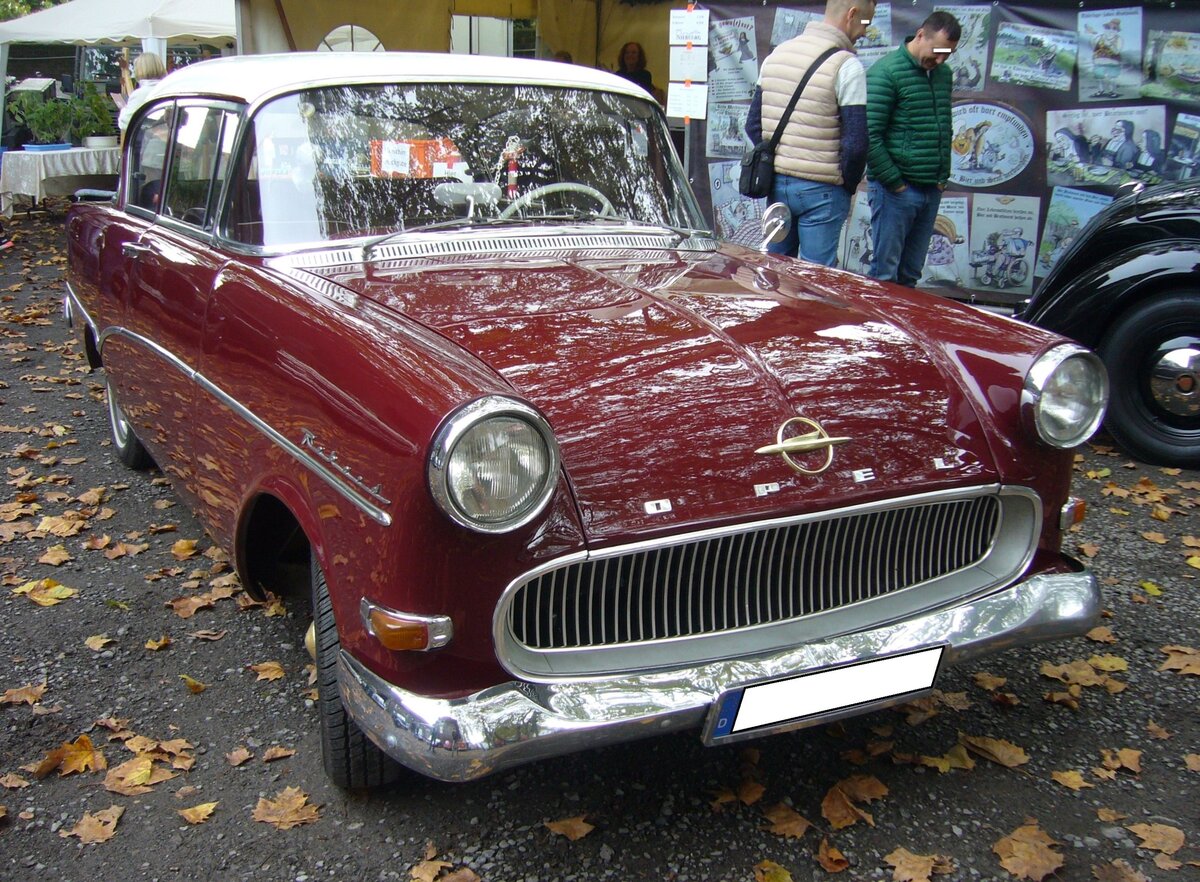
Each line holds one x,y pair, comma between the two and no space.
909,129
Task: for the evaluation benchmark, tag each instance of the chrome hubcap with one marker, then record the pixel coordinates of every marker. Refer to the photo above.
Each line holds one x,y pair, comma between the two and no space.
1175,379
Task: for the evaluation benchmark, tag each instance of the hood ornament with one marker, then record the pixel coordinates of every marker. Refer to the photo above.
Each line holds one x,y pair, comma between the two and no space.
816,439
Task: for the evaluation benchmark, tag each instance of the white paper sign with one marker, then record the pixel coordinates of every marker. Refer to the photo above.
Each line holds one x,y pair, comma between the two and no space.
687,100
689,64
689,27
395,158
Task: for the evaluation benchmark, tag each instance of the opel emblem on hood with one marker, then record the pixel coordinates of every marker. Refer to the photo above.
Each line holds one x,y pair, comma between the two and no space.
816,438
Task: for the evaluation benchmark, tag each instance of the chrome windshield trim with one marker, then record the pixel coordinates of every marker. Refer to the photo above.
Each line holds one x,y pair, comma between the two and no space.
334,479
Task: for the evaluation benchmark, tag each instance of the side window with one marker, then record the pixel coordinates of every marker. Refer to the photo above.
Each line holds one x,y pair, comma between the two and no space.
147,158
199,156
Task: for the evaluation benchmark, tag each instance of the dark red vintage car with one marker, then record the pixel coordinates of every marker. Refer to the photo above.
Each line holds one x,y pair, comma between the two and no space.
442,344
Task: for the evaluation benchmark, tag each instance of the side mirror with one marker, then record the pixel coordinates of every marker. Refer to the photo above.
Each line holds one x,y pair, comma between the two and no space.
776,222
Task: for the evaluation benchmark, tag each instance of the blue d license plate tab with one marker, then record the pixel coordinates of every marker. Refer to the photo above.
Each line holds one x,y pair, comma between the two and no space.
810,698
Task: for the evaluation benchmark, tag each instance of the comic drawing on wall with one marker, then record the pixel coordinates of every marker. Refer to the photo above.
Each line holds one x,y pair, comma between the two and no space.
790,23
732,61
1110,54
854,248
1105,146
738,219
879,31
991,144
1183,155
1172,67
1030,56
1069,212
1003,240
727,130
970,59
948,258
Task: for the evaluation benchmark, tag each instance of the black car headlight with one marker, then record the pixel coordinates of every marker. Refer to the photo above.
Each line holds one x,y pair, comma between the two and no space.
493,465
1064,396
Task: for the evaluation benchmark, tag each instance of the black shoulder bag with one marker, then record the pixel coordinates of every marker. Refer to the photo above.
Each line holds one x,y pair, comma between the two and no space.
758,166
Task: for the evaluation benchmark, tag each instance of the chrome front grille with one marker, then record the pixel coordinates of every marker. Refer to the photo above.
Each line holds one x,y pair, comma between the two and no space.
630,601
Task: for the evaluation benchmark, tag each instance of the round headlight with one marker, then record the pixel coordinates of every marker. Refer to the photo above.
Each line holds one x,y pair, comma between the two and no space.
493,465
1065,393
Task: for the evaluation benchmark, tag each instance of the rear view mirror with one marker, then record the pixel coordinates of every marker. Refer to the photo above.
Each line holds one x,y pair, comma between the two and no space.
776,222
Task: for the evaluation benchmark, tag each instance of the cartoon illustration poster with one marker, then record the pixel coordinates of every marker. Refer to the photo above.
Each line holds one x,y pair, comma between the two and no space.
879,31
790,23
1069,212
970,59
1030,56
1002,250
854,247
732,61
992,144
1105,146
1183,155
1110,54
871,54
727,130
738,219
1172,67
947,262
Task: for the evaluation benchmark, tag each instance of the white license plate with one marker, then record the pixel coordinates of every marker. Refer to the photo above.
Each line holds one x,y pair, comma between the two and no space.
809,698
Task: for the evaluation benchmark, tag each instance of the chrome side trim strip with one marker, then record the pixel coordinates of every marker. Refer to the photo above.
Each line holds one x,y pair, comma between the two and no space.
77,309
332,478
517,722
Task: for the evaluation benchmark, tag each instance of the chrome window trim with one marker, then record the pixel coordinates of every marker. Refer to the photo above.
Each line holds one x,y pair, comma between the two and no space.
347,491
539,666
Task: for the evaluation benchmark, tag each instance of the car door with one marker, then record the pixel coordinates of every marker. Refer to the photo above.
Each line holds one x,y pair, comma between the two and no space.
171,270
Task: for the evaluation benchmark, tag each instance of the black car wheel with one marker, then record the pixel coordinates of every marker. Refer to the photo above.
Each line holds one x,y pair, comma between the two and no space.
129,449
1152,353
352,760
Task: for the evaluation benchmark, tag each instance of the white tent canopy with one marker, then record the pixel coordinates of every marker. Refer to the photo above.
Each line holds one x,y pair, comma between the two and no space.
125,23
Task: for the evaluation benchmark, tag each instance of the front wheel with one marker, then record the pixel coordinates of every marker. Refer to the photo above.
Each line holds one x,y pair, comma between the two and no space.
352,760
1152,353
129,449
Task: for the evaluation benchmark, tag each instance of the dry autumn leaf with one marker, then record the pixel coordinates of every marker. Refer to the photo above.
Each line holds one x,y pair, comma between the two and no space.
1101,634
1108,663
840,811
1157,731
1109,815
769,871
1072,779
988,681
161,643
1192,761
277,753
194,686
1159,837
830,858
1122,758
45,592
1118,871
1028,853
208,636
956,758
136,776
56,555
271,670
184,549
997,750
290,808
786,821
428,870
97,642
71,757
13,781
238,755
1184,659
30,694
198,814
909,867
96,826
572,828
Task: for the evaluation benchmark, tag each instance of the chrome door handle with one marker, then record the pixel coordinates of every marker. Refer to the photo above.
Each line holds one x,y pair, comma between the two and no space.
133,249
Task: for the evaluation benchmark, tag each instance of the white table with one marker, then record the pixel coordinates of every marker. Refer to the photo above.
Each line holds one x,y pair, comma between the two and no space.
43,173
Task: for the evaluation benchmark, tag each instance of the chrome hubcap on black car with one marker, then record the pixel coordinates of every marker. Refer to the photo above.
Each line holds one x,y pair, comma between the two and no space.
1174,380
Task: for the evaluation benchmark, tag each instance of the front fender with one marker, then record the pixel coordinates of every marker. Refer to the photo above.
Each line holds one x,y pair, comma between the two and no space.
1085,306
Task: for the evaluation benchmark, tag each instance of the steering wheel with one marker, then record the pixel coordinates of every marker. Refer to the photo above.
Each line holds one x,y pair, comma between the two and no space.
606,207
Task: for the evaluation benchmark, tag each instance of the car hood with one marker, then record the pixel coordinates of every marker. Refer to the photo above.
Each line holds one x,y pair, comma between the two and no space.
661,377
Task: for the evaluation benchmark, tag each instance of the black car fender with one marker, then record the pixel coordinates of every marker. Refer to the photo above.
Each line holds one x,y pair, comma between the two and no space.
1085,307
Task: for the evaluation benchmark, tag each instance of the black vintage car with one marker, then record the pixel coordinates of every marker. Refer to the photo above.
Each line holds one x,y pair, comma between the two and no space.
1129,287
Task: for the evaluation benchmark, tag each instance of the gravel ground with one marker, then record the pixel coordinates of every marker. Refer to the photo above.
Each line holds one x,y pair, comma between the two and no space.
651,804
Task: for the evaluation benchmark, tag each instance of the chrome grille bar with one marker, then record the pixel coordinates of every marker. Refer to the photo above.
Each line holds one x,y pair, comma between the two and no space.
758,577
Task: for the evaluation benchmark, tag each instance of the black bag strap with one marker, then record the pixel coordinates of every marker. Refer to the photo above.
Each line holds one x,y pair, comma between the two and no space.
787,114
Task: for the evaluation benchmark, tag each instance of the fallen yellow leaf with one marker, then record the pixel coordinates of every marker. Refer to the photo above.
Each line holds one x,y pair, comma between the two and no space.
198,814
572,828
1028,853
1073,780
96,826
290,808
97,642
194,686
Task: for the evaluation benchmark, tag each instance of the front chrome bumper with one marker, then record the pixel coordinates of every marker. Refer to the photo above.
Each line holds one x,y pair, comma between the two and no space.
514,723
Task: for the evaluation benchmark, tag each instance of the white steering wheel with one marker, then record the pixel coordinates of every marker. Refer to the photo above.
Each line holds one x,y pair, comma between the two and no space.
522,202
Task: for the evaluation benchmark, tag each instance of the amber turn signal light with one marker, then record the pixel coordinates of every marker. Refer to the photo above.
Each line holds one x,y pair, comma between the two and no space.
405,632
1073,512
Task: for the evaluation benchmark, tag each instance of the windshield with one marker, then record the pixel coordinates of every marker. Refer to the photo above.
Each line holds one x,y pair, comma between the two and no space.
367,160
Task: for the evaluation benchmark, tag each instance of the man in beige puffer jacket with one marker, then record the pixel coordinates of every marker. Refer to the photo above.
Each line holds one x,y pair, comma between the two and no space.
823,151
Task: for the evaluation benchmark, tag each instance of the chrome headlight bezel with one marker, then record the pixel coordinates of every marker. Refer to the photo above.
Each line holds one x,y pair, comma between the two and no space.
1040,383
451,433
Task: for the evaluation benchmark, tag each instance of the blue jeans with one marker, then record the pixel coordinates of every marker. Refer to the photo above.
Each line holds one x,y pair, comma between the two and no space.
901,224
818,212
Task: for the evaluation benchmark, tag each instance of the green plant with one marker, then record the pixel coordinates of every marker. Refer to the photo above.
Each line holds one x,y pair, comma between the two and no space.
20,104
50,122
91,113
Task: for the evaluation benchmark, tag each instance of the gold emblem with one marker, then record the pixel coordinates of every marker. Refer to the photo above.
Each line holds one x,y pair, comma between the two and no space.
817,439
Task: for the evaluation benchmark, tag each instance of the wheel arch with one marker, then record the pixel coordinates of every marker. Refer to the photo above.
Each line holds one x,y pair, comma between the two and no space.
273,543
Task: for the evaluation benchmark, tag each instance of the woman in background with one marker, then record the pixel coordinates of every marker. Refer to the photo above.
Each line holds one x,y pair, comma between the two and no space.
147,70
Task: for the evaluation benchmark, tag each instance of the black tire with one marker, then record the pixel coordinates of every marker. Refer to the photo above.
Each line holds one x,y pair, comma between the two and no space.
129,449
352,760
1135,342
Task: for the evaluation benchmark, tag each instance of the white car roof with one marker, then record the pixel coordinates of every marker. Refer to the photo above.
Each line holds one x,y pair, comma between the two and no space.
254,78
